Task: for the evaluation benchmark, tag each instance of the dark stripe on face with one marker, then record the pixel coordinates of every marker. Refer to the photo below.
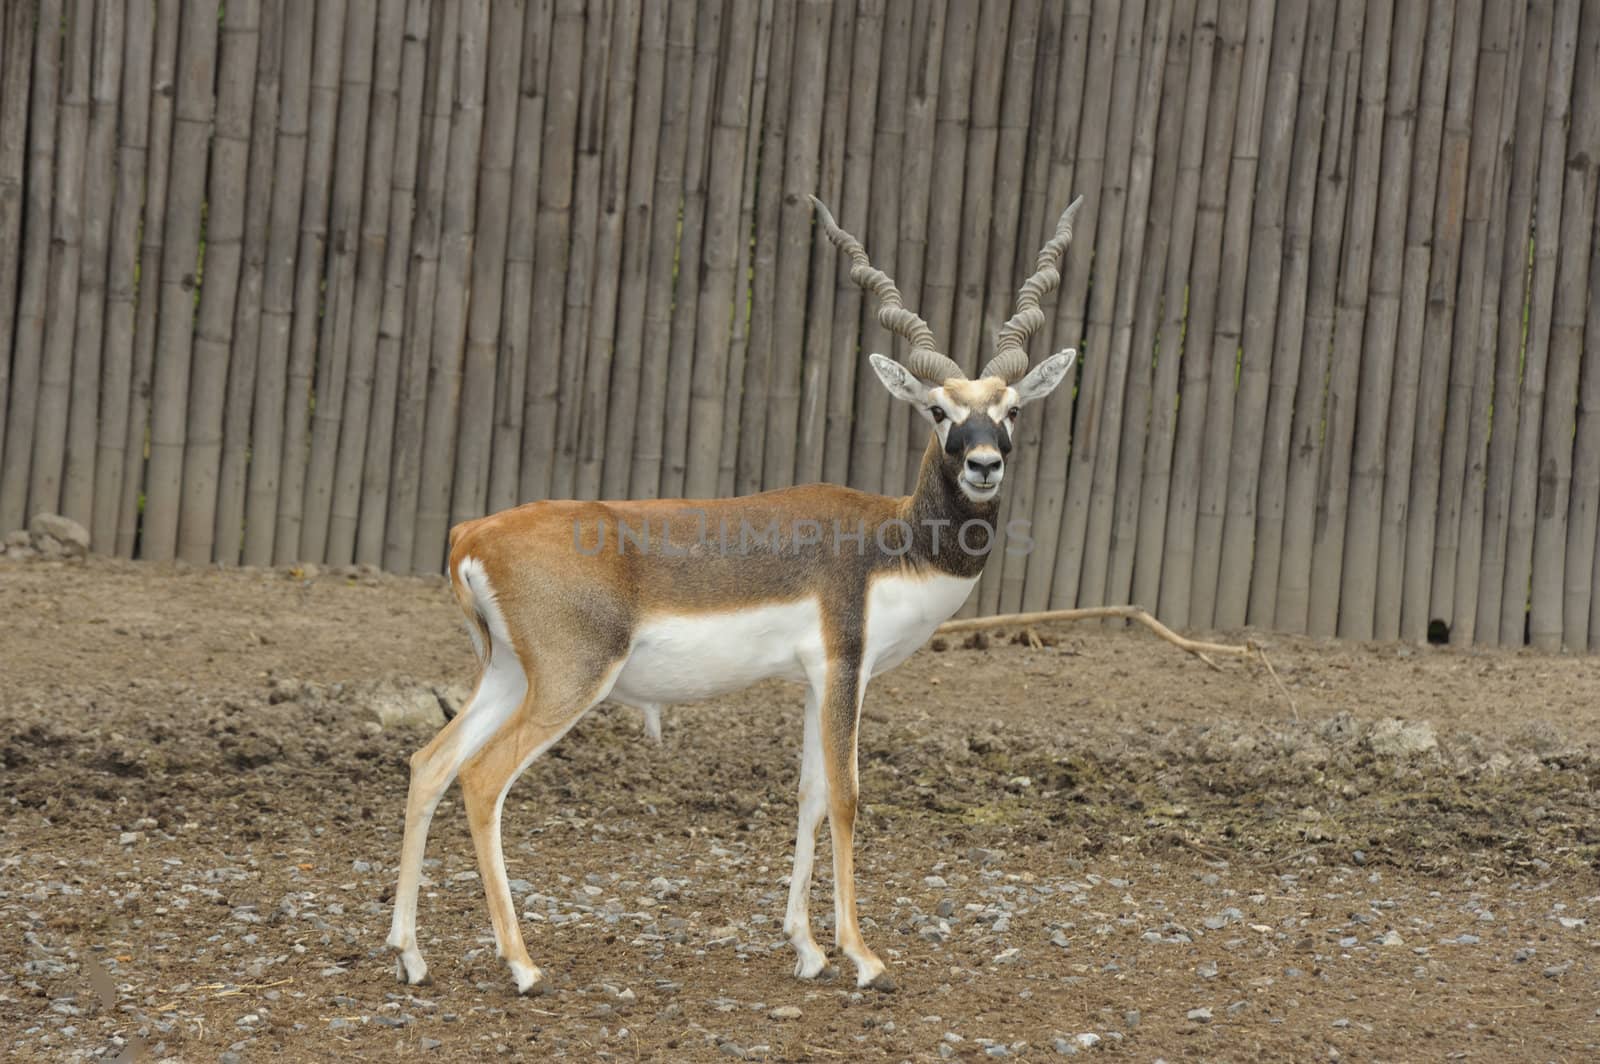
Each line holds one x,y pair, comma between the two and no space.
977,431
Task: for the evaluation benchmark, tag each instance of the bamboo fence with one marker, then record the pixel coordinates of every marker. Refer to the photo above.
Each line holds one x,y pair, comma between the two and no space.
290,282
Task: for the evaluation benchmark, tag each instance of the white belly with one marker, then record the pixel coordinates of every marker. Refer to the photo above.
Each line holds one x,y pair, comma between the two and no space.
903,611
685,658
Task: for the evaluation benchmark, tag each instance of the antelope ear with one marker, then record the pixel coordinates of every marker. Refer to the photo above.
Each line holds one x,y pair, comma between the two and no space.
901,382
1043,378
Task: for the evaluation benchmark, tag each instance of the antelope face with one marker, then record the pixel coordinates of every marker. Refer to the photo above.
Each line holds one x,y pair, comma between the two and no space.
974,420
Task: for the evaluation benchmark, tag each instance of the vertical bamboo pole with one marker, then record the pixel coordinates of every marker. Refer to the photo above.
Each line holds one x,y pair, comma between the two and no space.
816,358
551,250
246,344
1217,441
1467,373
1421,236
1306,431
1511,291
1253,407
455,287
581,262
77,486
721,291
1179,574
224,250
66,253
16,69
277,286
371,525
1291,318
1155,489
1078,149
644,474
116,361
1578,594
27,349
372,264
629,356
1119,273
1145,310
1530,476
1376,350
179,264
870,416
422,281
1552,604
327,49
491,243
158,156
800,165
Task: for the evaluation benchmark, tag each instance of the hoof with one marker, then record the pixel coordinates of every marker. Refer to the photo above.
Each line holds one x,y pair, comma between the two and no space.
402,974
530,980
829,973
882,982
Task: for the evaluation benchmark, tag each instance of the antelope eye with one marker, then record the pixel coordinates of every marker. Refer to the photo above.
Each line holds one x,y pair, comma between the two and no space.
1012,413
937,413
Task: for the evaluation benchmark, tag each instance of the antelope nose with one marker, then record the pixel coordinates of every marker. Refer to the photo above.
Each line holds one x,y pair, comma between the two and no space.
984,468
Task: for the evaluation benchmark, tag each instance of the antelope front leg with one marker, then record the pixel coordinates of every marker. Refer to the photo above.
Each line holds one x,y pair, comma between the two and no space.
841,713
813,803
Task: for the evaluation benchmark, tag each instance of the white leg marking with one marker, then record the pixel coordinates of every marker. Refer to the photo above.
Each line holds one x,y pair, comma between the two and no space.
813,805
652,721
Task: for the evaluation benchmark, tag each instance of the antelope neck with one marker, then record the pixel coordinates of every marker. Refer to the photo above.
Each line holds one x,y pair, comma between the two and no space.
937,511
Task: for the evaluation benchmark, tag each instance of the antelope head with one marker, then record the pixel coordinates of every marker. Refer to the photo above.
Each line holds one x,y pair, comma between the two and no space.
974,420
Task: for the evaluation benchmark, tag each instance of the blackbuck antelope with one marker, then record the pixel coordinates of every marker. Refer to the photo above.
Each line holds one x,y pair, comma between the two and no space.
654,602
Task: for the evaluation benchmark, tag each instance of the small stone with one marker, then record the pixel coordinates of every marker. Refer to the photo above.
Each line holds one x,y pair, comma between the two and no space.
1556,971
361,867
1064,1047
1087,1040
1391,938
1059,937
429,1044
1206,970
1571,923
946,908
1007,956
1200,1015
946,1050
128,838
936,882
997,1051
339,1023
732,1049
785,1012
71,537
1131,1018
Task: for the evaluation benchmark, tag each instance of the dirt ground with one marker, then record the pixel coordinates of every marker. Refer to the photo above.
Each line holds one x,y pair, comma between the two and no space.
1100,846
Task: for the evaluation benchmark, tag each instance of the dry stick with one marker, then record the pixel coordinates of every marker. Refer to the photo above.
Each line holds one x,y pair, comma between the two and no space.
364,313
869,421
77,486
1463,363
16,67
455,287
1037,152
1438,57
906,433
580,281
152,237
1533,478
1374,346
846,378
1079,149
1004,239
738,344
516,338
320,148
411,396
1253,405
1290,305
1511,292
179,265
339,282
1579,600
1559,617
550,256
1179,573
621,97
1306,432
116,359
1228,331
246,343
1154,240
1123,271
816,359
392,316
277,286
686,292
27,349
490,268
1155,488
66,248
794,247
722,293
629,356
224,252
644,475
